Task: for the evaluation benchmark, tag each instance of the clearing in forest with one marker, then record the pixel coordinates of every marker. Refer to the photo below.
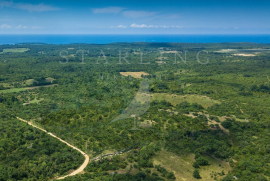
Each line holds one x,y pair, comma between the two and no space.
244,54
134,74
12,90
190,98
183,169
25,88
15,50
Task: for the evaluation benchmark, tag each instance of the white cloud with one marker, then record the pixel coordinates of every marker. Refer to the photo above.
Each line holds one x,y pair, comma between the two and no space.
138,14
29,7
134,25
21,27
110,10
138,26
119,26
5,26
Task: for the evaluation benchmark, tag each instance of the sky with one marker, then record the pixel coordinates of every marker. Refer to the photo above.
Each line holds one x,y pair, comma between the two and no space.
135,17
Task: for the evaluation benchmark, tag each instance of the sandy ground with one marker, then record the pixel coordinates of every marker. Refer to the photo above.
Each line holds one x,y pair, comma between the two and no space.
134,74
81,168
244,55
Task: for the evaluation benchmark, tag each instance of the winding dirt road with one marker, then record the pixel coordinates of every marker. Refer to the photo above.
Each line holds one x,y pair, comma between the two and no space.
81,168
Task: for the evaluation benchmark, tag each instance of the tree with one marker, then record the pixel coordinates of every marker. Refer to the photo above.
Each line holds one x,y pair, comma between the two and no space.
196,174
202,161
226,124
196,165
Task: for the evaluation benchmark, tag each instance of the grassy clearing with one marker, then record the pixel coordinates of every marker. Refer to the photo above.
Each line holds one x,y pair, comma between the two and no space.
12,90
36,101
33,101
15,50
191,98
49,79
244,54
182,166
29,82
134,74
24,89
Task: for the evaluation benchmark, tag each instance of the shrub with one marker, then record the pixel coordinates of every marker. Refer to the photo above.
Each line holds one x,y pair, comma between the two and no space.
196,174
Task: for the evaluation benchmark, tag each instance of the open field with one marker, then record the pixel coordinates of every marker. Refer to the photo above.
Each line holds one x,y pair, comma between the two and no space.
49,79
33,101
29,82
12,90
182,166
134,74
242,50
15,50
24,89
191,98
244,54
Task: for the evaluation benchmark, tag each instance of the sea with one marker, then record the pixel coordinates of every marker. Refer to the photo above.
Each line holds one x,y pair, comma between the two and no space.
105,39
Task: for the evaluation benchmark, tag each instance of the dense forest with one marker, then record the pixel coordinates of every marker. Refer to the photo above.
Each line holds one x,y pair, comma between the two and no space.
208,102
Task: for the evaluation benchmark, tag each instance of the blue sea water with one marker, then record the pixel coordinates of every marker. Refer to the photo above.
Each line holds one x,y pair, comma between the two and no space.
104,39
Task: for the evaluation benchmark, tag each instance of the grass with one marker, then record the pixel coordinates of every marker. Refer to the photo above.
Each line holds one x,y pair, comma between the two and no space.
29,82
12,90
191,98
36,101
15,50
24,89
49,79
182,166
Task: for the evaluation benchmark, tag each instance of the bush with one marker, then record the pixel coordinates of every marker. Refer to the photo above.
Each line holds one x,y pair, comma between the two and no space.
196,174
196,165
227,178
202,161
226,124
147,170
170,175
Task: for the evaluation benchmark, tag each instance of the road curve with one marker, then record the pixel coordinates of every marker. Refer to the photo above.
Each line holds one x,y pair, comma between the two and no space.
81,168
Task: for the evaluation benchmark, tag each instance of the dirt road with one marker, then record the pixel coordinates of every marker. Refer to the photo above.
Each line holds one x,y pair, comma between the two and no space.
81,168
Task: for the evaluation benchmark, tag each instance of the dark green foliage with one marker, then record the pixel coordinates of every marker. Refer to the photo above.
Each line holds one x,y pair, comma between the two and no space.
26,153
228,178
210,142
196,165
164,172
226,124
196,174
185,107
201,161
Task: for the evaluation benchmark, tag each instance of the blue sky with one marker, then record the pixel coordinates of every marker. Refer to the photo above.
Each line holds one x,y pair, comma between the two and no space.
135,17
